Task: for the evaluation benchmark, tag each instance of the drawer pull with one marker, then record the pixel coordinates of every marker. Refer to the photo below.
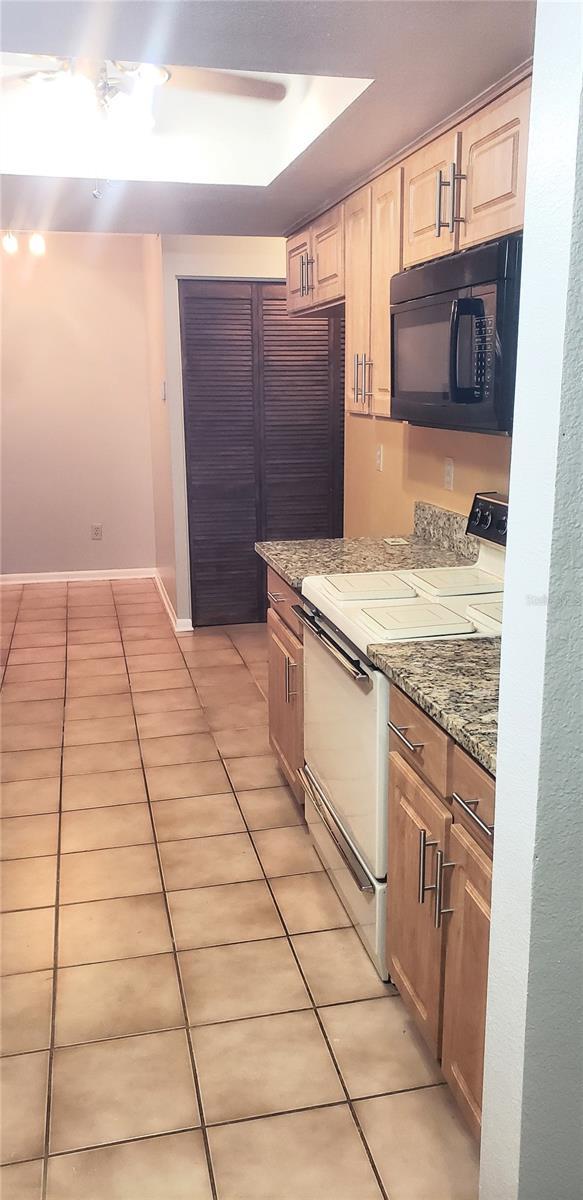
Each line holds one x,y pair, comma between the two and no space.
275,598
423,886
400,733
488,830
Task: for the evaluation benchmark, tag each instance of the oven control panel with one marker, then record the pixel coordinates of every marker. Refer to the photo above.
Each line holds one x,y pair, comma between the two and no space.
488,517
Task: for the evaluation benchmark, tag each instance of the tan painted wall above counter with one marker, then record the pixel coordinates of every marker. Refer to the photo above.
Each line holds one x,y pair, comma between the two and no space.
380,503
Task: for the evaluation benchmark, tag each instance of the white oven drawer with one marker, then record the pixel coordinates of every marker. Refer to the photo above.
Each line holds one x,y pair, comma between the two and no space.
346,746
367,909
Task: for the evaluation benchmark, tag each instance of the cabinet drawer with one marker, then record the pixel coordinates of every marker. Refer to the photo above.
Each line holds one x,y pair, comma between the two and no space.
281,597
471,783
429,748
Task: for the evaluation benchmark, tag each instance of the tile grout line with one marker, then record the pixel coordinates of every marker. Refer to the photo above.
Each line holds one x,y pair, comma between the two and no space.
195,1079
5,667
352,1110
49,1094
314,1008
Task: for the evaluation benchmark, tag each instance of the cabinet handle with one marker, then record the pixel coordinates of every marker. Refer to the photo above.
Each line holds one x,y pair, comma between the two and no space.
302,269
286,680
274,598
440,867
454,177
291,666
355,378
366,362
309,284
488,830
423,886
400,733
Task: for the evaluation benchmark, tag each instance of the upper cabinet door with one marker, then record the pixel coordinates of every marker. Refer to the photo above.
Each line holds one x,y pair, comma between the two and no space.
427,206
493,158
387,193
298,255
326,262
357,270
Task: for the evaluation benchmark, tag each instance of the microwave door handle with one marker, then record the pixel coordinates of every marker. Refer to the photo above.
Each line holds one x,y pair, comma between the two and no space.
460,307
454,334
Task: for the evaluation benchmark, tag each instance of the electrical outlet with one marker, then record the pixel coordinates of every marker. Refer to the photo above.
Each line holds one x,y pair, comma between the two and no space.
448,474
379,458
96,533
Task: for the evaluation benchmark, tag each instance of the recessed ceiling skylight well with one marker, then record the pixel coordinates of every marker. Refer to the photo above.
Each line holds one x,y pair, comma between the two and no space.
76,118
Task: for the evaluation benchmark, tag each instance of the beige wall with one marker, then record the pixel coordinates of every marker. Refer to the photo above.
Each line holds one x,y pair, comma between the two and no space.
75,407
196,257
381,502
159,424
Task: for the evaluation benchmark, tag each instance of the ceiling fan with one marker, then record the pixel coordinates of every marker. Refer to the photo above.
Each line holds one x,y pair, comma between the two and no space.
111,77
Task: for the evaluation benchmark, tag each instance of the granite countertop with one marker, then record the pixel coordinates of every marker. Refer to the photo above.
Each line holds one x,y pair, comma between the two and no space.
294,561
455,682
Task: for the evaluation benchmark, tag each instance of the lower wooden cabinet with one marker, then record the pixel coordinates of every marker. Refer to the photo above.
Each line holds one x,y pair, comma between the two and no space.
466,972
438,894
286,699
418,829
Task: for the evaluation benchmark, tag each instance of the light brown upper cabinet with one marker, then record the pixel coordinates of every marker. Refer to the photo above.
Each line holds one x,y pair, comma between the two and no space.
357,233
429,230
493,161
326,271
298,256
372,221
315,263
468,185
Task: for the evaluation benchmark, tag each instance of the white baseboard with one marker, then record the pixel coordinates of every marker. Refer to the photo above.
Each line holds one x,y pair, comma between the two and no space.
74,576
181,624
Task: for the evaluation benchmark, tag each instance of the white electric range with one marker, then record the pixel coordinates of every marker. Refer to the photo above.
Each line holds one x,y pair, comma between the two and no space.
346,699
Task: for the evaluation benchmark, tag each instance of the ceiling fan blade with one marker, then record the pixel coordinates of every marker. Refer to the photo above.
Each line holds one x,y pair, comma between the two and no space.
201,79
24,76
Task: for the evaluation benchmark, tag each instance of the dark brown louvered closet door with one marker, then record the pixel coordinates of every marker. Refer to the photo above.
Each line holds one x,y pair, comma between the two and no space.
263,432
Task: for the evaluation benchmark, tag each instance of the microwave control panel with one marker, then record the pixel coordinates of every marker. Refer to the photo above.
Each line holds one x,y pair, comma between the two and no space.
488,517
484,349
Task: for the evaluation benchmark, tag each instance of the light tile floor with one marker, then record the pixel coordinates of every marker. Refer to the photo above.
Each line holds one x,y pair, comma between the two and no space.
186,1011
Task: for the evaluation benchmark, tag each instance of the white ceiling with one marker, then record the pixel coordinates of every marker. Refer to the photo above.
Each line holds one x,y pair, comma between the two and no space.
427,58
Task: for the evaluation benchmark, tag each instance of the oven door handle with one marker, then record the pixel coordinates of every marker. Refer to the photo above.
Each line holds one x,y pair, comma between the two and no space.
350,860
350,665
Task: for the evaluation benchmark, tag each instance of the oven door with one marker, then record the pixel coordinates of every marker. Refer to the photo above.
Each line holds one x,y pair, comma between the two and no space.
345,743
444,351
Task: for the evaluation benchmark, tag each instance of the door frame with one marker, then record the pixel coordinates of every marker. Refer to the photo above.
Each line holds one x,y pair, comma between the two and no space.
177,264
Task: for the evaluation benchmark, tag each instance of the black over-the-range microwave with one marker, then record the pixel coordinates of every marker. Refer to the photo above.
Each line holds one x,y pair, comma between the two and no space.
454,327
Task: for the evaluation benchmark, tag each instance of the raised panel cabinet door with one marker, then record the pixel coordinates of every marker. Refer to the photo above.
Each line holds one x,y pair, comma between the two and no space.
386,260
326,262
298,254
357,269
421,241
466,973
414,944
493,159
286,699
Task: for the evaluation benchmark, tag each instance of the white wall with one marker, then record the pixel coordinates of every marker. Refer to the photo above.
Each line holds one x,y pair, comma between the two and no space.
159,423
199,257
75,420
532,1144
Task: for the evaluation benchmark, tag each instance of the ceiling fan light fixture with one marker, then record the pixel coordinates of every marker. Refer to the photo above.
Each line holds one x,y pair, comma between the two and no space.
152,75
